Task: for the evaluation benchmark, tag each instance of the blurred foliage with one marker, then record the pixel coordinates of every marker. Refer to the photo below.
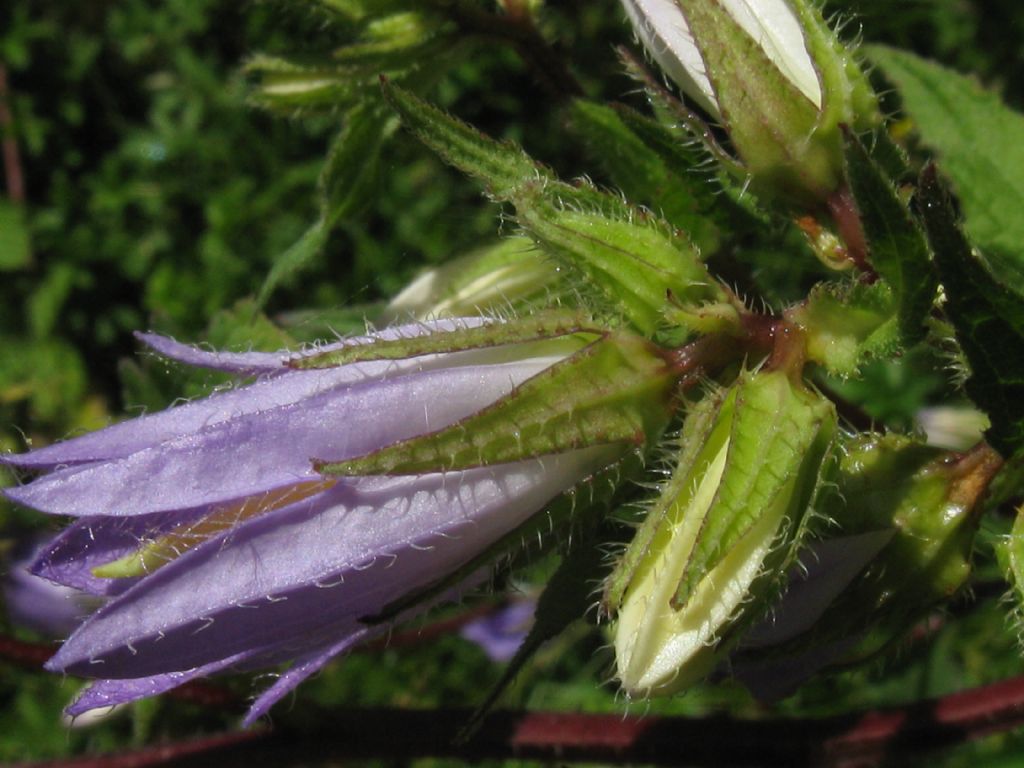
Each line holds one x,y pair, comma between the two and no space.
157,198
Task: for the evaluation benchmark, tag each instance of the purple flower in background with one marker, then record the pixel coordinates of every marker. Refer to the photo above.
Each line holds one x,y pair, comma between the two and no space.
49,609
502,631
220,546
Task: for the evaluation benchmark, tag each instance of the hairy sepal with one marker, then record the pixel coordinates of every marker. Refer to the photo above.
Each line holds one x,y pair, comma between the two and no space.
774,126
543,325
633,257
617,390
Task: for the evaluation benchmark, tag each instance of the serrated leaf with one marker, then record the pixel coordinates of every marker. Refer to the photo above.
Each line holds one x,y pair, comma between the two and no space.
615,391
897,247
977,140
988,317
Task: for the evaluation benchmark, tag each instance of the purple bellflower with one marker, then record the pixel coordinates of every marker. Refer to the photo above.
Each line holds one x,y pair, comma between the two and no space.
219,545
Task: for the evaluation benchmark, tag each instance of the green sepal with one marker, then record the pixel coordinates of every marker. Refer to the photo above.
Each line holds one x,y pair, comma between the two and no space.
846,93
677,120
774,127
780,435
848,324
616,390
501,166
988,316
551,324
897,246
635,259
699,444
681,192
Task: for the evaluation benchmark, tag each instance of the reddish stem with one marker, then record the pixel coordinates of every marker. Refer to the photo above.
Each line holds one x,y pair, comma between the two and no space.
843,210
15,179
860,739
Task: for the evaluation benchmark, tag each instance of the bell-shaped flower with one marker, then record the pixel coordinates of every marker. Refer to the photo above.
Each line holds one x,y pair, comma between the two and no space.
775,77
273,522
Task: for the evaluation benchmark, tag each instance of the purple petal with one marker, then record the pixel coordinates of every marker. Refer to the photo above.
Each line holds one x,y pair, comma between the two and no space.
306,574
49,609
251,363
776,678
261,451
301,670
109,693
69,558
829,567
120,440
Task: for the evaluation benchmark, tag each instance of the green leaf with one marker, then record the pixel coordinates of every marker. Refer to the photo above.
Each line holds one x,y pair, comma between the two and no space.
352,166
897,246
987,314
977,140
15,249
303,251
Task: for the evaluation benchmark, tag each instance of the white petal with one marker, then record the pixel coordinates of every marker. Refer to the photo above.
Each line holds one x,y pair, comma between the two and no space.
777,29
663,30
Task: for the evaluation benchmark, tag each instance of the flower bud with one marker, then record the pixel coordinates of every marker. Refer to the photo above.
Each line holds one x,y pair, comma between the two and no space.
722,531
774,75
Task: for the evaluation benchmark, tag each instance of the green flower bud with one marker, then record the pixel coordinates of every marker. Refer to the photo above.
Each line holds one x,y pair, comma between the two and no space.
722,531
774,75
